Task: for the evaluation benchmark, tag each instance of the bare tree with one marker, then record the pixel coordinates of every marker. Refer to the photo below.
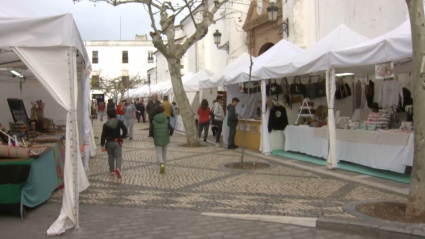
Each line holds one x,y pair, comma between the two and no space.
173,51
113,87
416,201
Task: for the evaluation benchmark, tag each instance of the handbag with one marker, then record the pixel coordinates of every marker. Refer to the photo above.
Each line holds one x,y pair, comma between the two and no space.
343,90
296,99
286,89
273,89
297,87
320,88
310,90
397,118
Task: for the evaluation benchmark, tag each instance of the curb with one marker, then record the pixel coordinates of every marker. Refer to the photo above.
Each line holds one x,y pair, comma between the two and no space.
368,229
297,221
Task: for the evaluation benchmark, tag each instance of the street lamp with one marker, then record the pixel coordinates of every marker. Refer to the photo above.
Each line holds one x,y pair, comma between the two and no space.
217,41
272,11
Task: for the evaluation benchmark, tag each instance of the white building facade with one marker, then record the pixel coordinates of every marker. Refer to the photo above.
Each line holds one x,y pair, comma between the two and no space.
114,59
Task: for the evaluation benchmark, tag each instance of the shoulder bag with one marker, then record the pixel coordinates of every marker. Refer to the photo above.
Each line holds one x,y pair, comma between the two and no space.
310,90
297,87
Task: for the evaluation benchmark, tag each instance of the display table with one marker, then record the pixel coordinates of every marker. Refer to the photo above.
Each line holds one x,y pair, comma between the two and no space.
380,150
253,134
30,182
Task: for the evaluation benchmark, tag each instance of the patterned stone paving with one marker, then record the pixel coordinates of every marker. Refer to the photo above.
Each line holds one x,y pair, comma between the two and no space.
196,181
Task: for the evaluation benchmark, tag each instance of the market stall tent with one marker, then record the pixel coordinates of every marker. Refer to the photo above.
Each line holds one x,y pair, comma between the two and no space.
282,50
395,46
191,81
217,79
52,49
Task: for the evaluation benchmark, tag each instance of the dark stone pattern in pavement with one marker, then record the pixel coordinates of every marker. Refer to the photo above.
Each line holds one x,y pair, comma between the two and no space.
114,223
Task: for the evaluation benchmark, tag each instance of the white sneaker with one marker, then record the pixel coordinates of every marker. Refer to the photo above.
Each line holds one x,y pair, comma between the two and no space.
217,144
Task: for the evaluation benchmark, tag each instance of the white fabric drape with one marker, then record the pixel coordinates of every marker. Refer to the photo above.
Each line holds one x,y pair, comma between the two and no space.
265,142
330,96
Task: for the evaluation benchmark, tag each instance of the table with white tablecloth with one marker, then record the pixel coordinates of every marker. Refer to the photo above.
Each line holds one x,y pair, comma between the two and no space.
380,150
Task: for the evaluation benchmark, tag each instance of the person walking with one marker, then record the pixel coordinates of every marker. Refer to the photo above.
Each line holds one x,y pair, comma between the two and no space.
213,122
219,118
140,106
204,119
129,110
167,107
153,104
120,111
112,140
173,114
232,122
101,109
162,130
110,104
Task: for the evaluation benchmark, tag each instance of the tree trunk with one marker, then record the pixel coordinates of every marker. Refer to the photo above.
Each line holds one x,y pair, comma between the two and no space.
416,200
184,105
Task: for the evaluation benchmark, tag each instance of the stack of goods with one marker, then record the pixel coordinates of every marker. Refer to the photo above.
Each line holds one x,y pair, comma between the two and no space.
18,128
372,119
383,120
48,138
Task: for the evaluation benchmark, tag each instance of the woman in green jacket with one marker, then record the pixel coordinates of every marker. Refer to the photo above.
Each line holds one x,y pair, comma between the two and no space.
162,130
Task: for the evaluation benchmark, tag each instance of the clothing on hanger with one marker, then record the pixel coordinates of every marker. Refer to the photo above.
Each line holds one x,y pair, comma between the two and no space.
390,93
359,91
278,119
370,93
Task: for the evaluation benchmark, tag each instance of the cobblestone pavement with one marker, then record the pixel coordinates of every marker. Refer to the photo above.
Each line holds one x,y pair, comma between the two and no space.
195,182
112,222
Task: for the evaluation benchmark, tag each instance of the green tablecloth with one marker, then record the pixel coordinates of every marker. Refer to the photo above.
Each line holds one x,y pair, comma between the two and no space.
31,187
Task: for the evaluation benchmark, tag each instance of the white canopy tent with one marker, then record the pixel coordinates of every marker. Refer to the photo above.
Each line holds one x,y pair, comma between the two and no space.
52,49
282,50
395,46
217,79
315,59
141,92
191,81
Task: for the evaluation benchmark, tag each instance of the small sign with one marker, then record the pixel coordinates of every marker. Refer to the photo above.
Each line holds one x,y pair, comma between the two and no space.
384,70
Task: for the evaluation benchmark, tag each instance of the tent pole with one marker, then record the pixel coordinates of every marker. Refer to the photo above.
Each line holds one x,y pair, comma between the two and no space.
330,96
74,154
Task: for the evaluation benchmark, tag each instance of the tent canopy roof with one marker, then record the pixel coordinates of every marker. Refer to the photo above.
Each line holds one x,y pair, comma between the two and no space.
313,59
217,79
282,50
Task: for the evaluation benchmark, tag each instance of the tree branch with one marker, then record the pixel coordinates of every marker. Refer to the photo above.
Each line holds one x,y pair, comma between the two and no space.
191,13
119,2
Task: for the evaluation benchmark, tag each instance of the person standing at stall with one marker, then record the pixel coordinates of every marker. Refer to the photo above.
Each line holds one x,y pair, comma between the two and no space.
112,140
101,109
153,104
213,123
140,106
232,122
218,118
204,119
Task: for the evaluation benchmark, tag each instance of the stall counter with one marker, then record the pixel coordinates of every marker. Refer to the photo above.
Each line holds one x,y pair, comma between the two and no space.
253,134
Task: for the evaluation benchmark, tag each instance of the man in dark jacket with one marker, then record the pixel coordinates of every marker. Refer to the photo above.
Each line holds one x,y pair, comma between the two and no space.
113,139
151,110
232,122
140,106
162,130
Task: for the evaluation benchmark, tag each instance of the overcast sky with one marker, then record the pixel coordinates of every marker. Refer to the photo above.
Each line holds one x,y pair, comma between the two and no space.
95,21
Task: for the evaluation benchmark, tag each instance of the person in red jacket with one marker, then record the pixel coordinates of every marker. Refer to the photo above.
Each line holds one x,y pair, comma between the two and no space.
101,109
204,119
120,112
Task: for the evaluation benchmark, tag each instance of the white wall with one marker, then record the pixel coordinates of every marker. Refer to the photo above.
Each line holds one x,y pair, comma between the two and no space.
311,20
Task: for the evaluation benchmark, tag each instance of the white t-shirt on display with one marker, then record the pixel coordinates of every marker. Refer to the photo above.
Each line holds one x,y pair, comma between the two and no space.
389,93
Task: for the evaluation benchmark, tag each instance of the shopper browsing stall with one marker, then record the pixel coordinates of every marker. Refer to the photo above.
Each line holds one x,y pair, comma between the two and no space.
129,110
204,119
218,118
232,122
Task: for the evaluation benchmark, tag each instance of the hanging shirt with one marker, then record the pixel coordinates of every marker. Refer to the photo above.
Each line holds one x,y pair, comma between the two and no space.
278,119
389,93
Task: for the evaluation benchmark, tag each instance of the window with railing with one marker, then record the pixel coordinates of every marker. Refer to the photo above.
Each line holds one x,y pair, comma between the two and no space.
150,57
125,57
95,57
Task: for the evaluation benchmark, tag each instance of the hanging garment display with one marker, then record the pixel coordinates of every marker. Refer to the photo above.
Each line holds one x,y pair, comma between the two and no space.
359,91
278,119
370,93
390,93
343,90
